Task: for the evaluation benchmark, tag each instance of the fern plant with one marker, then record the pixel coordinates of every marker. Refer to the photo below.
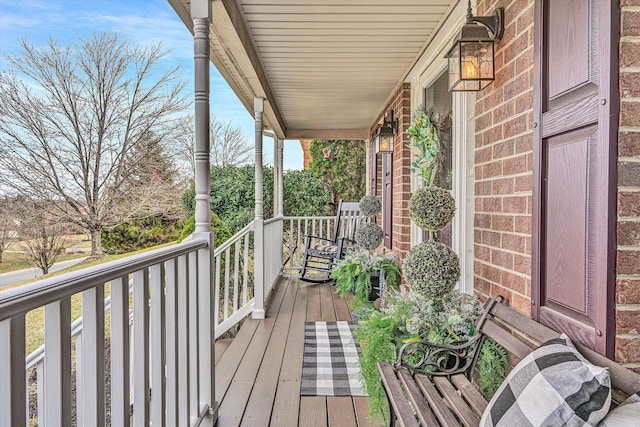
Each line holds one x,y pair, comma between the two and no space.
492,367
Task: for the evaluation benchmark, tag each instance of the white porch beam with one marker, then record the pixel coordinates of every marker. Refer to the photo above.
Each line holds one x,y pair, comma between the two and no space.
259,285
359,133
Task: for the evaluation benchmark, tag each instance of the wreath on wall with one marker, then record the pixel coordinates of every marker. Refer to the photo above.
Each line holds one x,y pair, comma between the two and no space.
426,139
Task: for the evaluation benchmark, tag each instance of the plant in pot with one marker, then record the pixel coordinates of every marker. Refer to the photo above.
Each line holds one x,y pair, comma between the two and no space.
362,271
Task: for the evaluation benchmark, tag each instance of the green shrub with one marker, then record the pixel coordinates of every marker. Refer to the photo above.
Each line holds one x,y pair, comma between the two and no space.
370,206
369,236
492,367
431,269
431,208
221,232
139,234
353,273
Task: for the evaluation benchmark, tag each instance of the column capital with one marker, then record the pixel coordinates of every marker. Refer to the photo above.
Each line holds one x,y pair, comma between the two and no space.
202,9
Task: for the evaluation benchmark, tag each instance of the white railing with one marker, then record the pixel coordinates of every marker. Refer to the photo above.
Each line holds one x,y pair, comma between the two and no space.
294,230
167,354
233,264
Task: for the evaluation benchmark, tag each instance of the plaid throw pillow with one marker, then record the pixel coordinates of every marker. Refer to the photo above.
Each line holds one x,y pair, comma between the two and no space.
625,415
553,386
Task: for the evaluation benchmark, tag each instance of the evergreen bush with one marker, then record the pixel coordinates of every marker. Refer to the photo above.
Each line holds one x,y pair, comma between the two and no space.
431,208
431,269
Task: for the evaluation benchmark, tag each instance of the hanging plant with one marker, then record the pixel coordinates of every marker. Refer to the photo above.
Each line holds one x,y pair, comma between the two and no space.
424,140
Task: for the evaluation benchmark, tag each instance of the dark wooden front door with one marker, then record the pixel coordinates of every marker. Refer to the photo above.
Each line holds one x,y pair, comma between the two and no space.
575,134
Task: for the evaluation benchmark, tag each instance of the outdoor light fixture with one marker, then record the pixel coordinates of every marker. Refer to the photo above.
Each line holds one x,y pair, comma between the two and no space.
471,58
384,137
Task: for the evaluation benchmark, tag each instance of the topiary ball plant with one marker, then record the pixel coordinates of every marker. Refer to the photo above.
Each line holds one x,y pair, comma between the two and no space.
369,236
431,208
431,269
370,206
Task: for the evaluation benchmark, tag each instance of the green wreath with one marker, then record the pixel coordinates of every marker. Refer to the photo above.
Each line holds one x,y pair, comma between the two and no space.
423,137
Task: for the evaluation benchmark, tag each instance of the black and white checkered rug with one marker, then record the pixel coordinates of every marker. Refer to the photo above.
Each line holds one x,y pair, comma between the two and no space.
330,365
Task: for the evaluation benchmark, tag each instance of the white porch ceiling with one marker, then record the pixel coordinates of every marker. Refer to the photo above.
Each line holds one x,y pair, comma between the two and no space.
326,67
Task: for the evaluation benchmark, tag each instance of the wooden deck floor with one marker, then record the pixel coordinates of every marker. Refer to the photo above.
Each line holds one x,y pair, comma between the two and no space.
258,376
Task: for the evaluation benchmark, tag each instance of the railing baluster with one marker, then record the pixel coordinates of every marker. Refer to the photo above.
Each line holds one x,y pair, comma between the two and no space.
183,342
206,343
120,372
79,382
216,281
91,374
40,389
291,248
13,386
141,347
57,364
226,283
172,341
192,313
299,246
245,271
236,275
158,358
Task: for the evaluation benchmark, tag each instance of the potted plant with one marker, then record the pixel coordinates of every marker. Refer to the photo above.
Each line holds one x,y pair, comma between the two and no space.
363,272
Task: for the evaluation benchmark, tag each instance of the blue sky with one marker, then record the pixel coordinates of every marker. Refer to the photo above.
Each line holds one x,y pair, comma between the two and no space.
142,21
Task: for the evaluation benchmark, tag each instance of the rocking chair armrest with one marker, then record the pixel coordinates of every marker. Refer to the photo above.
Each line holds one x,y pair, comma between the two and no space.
440,359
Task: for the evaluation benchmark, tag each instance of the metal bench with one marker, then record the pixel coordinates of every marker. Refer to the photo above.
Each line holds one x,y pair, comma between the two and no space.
438,389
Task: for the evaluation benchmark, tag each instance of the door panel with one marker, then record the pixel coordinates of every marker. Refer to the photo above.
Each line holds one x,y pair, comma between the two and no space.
575,134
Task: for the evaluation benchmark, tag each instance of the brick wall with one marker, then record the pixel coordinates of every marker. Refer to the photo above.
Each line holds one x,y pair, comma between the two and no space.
628,233
503,162
401,235
306,144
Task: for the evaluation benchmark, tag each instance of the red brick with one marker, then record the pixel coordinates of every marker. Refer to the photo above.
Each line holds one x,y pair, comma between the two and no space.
504,112
482,253
628,233
482,287
492,135
523,183
492,204
630,112
514,9
490,238
521,304
627,321
524,102
630,23
515,165
629,144
628,173
515,126
628,291
629,54
492,100
490,170
504,149
481,220
628,203
502,259
483,188
628,349
483,155
522,224
519,45
514,282
514,205
627,262
483,121
629,84
516,87
522,264
524,143
491,273
502,186
505,74
502,223
513,242
525,21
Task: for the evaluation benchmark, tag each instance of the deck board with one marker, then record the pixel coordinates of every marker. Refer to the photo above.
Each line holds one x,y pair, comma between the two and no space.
258,377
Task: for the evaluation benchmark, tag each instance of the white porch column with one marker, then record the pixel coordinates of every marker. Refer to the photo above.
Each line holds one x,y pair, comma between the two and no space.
276,177
259,285
202,15
279,155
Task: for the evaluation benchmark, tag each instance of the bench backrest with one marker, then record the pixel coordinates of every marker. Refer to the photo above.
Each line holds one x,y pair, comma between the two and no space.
520,334
348,218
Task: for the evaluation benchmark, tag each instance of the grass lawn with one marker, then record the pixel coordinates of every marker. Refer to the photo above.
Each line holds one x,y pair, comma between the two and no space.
35,318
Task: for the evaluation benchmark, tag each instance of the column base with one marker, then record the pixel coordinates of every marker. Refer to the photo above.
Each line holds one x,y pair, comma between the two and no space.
258,314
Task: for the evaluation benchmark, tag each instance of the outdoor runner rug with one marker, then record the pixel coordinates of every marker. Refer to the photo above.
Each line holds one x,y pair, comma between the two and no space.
330,365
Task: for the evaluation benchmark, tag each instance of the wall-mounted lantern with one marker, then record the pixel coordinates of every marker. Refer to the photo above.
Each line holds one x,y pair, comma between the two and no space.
383,138
471,58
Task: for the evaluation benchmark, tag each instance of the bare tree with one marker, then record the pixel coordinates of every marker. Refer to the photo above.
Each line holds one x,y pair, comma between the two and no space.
70,117
8,225
42,234
228,145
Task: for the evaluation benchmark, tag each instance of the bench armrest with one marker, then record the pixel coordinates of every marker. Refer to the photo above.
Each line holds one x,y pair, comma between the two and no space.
440,359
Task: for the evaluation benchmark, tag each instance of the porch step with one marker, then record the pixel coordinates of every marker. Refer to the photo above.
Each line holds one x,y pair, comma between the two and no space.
221,346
